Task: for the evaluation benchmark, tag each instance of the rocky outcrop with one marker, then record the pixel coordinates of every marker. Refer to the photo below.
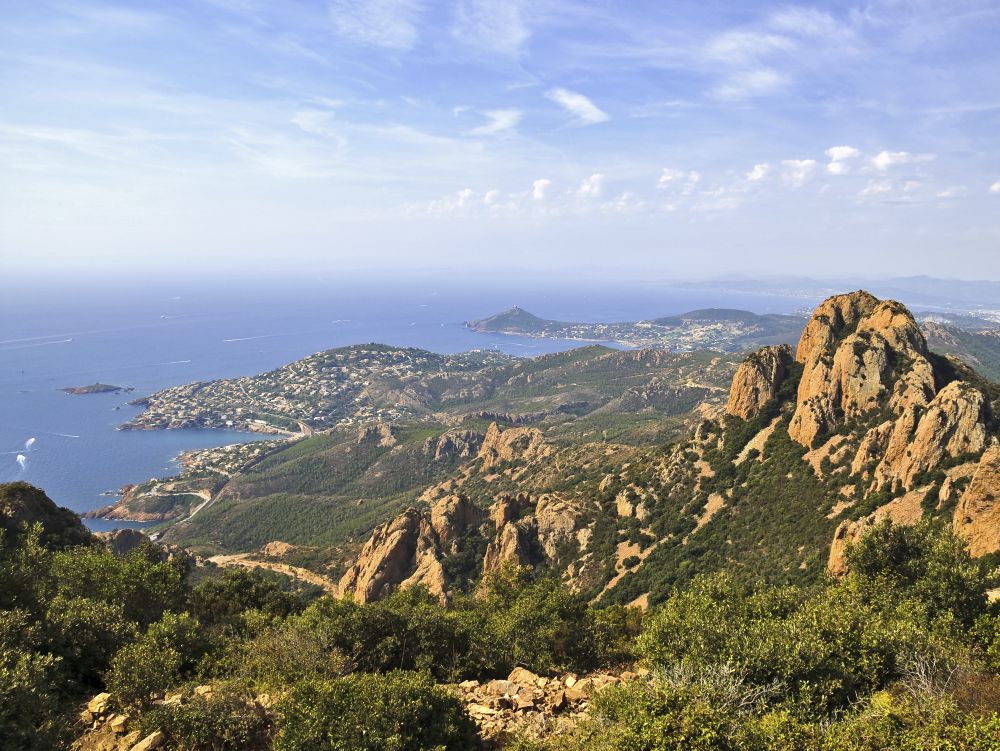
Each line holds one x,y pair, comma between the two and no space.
757,380
854,351
953,425
511,445
409,550
387,560
977,516
452,516
382,435
453,444
121,542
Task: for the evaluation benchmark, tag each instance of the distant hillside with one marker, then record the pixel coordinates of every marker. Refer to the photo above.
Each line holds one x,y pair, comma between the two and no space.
862,422
327,487
980,349
722,329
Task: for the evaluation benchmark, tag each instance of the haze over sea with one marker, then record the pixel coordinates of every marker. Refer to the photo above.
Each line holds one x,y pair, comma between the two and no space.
152,335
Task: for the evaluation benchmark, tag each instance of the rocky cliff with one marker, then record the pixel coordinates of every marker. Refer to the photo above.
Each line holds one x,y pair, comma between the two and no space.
757,380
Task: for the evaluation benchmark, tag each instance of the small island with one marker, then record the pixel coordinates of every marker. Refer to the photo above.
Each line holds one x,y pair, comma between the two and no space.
97,388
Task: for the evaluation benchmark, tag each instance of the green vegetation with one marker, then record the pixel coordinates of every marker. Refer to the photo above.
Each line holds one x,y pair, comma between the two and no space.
903,653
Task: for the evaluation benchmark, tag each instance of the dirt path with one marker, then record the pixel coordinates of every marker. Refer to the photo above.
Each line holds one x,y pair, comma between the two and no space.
243,560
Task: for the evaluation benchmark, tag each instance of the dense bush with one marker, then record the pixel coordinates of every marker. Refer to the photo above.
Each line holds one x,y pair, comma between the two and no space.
902,654
226,720
395,711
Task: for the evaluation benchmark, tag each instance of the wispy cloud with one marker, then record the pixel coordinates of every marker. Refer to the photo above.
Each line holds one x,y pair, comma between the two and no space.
579,105
496,26
500,121
759,172
683,180
995,187
750,83
391,24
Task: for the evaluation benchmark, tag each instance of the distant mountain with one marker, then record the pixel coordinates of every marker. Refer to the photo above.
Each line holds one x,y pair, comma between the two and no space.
722,329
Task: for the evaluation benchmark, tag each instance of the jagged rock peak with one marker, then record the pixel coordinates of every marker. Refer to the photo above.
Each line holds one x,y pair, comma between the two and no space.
757,380
856,350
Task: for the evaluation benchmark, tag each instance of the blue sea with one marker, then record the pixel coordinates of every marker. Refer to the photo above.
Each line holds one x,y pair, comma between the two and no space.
148,335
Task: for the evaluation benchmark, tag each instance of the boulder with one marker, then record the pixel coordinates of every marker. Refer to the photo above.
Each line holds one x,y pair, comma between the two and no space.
154,740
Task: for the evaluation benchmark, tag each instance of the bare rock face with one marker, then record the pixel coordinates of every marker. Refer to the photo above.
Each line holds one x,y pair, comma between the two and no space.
408,550
977,516
463,444
512,444
953,424
452,516
757,380
383,435
556,520
386,560
857,352
512,545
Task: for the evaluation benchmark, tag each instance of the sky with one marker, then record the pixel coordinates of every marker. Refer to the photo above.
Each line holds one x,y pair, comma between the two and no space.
618,137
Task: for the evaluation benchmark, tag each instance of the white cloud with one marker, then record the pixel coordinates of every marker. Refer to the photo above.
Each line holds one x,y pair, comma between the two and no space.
840,156
750,83
464,196
886,159
797,171
499,121
491,197
995,187
670,177
539,187
391,24
592,186
487,24
579,105
759,172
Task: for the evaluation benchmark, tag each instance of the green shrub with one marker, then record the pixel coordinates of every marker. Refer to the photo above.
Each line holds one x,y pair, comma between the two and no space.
29,709
168,651
409,630
221,601
226,720
85,634
538,623
928,559
397,711
823,647
139,669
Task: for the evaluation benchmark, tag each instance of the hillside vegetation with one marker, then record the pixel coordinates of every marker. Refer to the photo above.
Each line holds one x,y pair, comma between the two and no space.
903,652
